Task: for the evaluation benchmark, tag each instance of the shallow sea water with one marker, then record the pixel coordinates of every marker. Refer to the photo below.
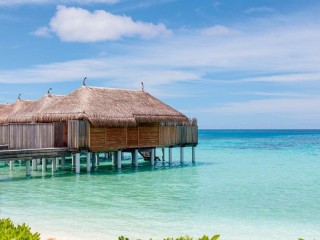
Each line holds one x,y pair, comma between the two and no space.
244,185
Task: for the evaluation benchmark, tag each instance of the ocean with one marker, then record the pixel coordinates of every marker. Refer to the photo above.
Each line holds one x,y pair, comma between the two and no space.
245,185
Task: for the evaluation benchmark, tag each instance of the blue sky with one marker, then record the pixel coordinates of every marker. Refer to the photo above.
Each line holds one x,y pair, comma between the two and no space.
230,63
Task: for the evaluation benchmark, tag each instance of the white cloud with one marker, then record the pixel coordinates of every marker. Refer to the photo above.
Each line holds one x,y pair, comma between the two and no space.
20,2
259,10
283,78
218,30
42,32
73,24
290,106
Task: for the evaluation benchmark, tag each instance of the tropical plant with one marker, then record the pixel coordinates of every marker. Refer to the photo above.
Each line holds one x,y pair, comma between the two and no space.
9,231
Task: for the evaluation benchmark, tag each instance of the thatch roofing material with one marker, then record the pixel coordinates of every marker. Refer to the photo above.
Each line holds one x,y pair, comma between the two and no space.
2,106
11,109
26,114
110,107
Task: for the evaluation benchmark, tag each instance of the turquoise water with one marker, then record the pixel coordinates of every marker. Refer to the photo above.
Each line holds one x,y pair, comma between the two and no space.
245,185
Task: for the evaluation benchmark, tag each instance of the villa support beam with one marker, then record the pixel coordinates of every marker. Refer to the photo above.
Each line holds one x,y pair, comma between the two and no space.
28,168
135,157
118,159
193,154
152,156
63,163
44,166
53,165
34,164
170,155
181,155
11,165
88,162
77,161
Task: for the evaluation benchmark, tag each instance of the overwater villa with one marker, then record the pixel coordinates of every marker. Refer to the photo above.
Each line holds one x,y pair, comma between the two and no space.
92,120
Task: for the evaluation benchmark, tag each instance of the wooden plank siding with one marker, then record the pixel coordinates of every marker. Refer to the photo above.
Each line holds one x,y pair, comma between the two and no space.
4,137
143,136
60,134
78,134
31,136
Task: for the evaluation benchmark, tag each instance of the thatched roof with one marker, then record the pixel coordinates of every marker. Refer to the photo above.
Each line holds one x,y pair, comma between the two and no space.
110,107
2,106
11,109
25,115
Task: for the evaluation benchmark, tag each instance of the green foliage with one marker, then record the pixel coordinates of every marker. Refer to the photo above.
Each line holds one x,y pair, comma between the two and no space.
8,231
215,237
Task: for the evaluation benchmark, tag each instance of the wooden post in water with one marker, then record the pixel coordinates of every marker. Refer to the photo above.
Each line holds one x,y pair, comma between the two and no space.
77,161
72,160
44,166
11,164
63,163
53,165
114,158
97,159
134,154
170,155
193,154
118,159
34,164
93,157
152,156
163,154
88,162
181,155
28,168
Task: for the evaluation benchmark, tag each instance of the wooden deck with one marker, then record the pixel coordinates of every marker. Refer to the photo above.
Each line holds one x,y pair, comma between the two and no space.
28,154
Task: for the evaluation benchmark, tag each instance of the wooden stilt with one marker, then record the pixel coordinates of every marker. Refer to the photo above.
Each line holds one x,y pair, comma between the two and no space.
152,154
193,154
97,159
63,163
34,164
134,156
170,155
44,166
114,158
163,154
28,168
88,162
11,164
53,165
93,157
119,160
77,162
181,155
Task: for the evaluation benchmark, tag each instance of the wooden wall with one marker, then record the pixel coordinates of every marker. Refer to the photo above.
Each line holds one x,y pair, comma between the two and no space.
78,134
178,135
60,134
29,136
143,136
4,140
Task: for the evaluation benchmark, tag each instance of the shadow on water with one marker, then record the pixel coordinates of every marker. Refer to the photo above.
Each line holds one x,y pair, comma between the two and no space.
105,168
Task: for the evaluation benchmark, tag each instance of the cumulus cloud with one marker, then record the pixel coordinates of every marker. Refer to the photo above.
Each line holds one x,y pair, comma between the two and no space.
73,24
20,2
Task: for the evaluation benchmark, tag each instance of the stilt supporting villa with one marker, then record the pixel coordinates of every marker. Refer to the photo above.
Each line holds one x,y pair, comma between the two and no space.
90,121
